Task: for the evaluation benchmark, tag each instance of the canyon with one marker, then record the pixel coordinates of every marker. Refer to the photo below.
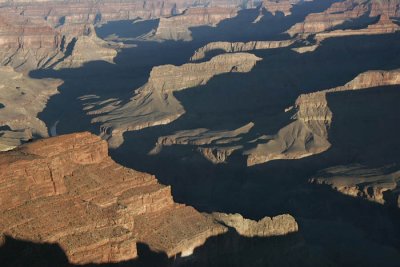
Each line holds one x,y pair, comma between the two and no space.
199,133
67,190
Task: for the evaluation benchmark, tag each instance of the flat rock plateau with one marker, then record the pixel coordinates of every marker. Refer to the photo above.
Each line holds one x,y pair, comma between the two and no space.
199,133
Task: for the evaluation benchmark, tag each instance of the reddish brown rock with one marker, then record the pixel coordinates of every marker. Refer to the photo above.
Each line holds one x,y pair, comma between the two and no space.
67,190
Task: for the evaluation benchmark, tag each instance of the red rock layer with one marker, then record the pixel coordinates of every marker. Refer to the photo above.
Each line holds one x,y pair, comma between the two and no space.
67,190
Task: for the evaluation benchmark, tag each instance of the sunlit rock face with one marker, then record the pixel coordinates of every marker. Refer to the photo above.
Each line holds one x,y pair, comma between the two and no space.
177,27
377,185
265,227
67,190
154,103
308,134
342,12
22,98
59,34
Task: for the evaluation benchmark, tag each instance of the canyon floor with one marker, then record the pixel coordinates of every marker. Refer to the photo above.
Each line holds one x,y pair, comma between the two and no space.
287,107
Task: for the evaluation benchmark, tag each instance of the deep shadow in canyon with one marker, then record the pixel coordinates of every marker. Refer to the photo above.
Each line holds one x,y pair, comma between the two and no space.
332,225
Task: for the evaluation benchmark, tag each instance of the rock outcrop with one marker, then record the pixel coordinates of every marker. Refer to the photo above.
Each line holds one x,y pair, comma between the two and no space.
67,190
178,27
384,26
154,103
215,146
377,185
268,226
21,99
308,134
282,6
43,34
87,48
235,47
354,13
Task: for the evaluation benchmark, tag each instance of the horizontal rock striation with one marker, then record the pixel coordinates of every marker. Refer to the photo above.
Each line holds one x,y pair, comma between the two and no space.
308,134
377,185
154,103
384,26
177,27
235,47
67,190
349,12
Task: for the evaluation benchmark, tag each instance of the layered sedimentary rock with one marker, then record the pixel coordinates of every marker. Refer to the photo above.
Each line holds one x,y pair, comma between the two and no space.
377,185
177,27
351,12
154,103
42,34
384,26
282,6
27,43
87,48
215,146
67,190
21,99
266,227
309,134
234,47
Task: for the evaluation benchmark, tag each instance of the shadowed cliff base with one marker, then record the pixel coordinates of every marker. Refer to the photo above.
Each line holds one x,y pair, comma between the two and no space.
229,249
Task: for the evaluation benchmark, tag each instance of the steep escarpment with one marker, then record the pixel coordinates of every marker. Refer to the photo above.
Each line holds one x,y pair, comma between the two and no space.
384,26
32,43
234,47
67,190
155,104
346,14
308,134
378,185
22,98
43,34
177,27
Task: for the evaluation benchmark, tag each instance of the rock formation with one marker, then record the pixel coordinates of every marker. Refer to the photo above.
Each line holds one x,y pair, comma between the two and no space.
43,34
308,134
67,190
283,6
87,48
384,26
215,146
21,99
229,47
354,12
378,185
154,103
268,226
177,27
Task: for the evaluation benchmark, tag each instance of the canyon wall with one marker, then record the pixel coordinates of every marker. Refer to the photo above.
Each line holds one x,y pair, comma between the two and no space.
154,103
308,134
67,190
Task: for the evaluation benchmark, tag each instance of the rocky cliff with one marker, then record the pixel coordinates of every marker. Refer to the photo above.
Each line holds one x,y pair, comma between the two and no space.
349,13
154,103
234,47
67,190
309,134
21,99
377,185
177,27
